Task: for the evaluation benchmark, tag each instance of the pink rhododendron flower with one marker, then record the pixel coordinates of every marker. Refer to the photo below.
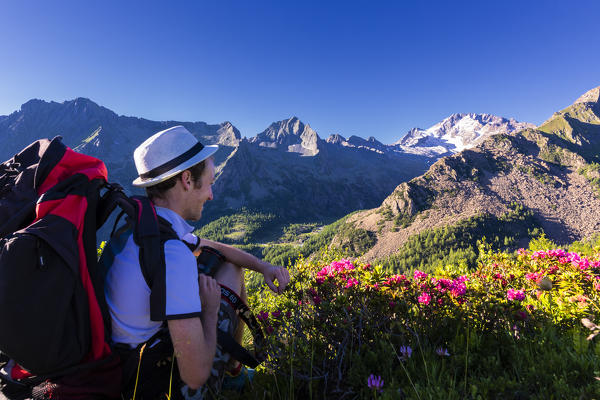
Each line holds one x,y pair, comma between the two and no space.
552,270
583,264
424,298
395,279
351,282
420,275
512,294
458,289
556,253
334,269
540,254
534,276
443,284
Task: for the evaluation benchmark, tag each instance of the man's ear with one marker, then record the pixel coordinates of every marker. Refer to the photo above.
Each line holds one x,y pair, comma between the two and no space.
186,179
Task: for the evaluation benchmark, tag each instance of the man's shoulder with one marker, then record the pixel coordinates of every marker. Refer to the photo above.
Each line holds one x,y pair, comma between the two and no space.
177,250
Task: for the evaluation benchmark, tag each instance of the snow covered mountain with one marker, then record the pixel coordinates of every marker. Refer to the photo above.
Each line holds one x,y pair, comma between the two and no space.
456,133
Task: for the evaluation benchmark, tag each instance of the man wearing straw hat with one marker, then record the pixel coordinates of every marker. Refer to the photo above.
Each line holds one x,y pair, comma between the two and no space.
177,172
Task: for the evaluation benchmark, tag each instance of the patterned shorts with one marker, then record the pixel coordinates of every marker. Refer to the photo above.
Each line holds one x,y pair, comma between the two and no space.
227,321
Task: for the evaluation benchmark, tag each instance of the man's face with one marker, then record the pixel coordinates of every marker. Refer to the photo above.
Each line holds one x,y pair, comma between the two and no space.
202,191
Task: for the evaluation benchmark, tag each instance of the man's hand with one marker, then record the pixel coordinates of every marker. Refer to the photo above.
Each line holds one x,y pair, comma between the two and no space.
274,273
210,294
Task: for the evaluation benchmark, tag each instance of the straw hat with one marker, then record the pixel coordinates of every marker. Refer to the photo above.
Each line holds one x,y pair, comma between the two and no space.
167,153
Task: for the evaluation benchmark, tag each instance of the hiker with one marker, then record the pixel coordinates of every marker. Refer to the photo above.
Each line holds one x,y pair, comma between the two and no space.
180,313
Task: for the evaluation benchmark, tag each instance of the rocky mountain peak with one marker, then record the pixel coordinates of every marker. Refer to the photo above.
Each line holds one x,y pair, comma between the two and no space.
228,135
336,138
290,134
591,96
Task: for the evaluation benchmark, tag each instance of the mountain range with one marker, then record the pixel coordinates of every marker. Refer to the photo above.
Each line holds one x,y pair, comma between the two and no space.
287,170
544,179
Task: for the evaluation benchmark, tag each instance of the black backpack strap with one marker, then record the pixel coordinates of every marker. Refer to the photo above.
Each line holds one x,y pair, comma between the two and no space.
147,236
228,342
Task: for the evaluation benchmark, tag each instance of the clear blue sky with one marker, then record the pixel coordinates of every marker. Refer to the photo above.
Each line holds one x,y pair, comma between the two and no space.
369,68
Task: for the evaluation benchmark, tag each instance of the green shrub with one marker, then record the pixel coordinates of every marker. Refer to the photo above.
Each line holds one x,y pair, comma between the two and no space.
507,330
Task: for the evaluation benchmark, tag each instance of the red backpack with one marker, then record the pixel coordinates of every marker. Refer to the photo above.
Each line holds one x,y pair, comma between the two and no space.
53,313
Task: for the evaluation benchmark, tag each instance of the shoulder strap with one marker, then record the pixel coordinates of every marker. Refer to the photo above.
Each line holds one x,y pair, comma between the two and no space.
149,233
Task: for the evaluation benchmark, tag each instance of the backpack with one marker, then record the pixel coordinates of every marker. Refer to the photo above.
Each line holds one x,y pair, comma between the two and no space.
54,320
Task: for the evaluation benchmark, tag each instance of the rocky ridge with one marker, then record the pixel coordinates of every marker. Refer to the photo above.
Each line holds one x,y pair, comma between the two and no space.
287,170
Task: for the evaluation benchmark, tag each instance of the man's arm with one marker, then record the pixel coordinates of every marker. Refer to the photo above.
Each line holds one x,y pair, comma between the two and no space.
239,257
195,339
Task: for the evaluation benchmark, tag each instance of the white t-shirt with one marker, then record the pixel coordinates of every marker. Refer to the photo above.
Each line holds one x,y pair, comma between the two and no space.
128,295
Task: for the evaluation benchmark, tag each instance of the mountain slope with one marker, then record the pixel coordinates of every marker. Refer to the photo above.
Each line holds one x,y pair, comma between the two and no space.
551,172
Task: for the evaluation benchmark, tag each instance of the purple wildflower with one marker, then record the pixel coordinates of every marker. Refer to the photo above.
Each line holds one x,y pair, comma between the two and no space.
375,382
405,352
442,352
263,316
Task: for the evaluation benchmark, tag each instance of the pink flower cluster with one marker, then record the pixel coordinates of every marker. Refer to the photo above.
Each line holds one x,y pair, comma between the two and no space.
351,282
512,294
457,287
419,275
424,298
566,258
340,269
534,276
395,280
